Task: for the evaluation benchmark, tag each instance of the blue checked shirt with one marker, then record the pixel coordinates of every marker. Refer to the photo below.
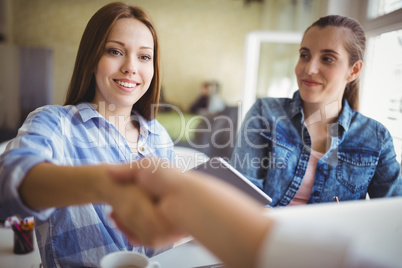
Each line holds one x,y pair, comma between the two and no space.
75,236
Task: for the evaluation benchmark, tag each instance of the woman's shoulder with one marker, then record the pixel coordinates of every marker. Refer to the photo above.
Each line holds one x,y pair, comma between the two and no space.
366,121
364,124
46,113
272,106
272,101
52,109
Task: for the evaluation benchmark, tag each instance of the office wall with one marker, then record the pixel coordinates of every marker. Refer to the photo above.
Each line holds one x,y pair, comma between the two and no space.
200,39
9,88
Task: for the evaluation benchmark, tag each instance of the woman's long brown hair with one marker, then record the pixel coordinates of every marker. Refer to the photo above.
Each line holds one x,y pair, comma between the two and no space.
82,85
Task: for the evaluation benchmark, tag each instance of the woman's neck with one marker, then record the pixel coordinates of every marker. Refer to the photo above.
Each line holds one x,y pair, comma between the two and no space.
111,111
318,119
322,113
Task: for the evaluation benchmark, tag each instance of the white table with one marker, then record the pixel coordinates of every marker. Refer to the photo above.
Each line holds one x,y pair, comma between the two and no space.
9,259
188,255
376,226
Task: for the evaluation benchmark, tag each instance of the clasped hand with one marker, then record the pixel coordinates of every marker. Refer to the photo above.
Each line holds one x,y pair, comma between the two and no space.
141,202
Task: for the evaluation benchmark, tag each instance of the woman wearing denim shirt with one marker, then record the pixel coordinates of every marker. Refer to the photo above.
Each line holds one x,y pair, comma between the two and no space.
316,146
58,167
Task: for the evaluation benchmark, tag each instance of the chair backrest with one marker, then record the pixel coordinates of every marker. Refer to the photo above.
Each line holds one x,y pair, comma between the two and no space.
3,146
220,141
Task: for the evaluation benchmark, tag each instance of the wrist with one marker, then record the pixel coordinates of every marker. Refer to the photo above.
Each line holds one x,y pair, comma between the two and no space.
101,185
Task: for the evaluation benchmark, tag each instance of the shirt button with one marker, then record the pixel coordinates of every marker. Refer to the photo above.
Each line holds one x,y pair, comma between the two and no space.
316,193
142,149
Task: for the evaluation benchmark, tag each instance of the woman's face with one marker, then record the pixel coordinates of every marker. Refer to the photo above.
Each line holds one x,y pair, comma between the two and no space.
323,68
125,70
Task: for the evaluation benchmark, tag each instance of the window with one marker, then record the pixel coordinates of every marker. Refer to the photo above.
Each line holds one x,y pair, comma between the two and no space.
381,95
379,8
258,48
276,77
382,98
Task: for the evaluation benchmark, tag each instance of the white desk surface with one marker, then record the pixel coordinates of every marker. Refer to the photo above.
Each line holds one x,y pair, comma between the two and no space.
376,226
188,255
10,260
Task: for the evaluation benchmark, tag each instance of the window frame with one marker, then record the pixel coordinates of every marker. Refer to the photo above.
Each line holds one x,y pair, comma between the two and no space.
375,27
382,24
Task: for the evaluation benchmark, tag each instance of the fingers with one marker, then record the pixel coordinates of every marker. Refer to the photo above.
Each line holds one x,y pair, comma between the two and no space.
127,232
154,235
121,173
157,177
142,188
138,216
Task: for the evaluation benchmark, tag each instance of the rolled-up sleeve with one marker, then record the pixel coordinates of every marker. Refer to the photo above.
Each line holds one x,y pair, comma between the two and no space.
35,143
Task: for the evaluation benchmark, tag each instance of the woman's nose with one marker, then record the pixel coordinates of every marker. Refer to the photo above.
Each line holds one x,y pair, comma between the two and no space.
312,67
129,67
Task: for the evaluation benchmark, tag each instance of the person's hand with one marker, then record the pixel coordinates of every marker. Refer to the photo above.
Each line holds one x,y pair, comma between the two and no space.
136,211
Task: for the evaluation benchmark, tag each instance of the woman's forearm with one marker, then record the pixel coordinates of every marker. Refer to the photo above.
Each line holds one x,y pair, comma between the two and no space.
47,185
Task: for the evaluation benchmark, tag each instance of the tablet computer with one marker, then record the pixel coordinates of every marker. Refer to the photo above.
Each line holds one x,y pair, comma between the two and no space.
222,170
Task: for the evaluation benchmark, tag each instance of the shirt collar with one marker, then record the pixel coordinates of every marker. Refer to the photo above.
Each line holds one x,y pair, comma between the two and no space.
344,117
145,125
296,105
87,112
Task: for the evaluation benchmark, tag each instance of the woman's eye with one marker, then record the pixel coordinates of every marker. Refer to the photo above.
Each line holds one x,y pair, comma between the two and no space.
303,56
145,58
114,52
328,59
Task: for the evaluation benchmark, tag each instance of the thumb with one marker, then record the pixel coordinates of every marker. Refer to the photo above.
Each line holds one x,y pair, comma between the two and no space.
157,177
122,173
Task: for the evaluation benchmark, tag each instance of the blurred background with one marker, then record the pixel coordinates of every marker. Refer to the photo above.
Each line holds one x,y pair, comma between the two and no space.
231,43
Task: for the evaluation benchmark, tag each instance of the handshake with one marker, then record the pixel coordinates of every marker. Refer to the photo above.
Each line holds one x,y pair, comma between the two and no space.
147,198
156,205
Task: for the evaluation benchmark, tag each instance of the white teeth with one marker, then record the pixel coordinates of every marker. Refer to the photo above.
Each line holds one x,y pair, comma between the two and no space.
125,84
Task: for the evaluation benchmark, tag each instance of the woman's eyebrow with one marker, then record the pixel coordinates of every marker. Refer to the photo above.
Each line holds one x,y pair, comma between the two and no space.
123,44
114,41
322,51
329,51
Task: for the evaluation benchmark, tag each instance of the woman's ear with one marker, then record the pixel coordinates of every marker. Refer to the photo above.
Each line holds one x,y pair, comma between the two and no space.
354,72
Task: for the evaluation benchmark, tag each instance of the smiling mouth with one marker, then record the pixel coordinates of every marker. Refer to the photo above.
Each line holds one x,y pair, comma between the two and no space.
311,83
126,84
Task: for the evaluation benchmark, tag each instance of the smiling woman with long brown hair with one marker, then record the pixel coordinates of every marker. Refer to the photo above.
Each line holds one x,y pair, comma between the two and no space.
60,158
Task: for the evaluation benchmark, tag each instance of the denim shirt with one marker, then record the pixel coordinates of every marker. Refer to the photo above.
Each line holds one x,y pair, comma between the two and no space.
273,149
